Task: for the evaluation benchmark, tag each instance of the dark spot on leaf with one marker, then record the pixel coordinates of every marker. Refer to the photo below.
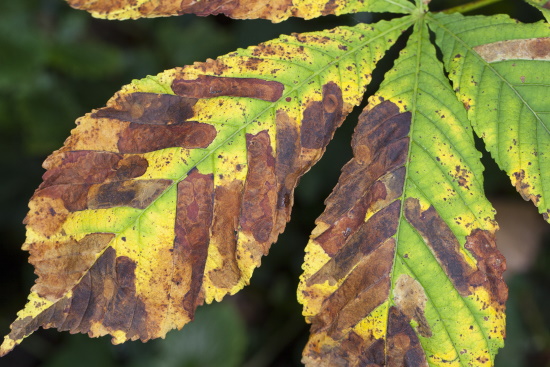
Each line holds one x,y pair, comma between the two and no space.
194,215
206,86
403,346
227,204
131,167
524,188
373,178
260,196
148,108
82,167
410,299
105,294
136,194
140,138
491,264
321,119
60,264
288,165
439,237
330,7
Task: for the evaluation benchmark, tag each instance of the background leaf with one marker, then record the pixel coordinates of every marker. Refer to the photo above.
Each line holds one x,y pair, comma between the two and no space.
275,11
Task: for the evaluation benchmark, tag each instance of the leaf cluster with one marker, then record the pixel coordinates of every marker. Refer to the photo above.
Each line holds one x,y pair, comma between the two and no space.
170,195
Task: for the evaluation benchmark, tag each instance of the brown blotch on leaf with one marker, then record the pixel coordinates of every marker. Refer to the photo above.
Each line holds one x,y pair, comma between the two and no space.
106,294
59,265
91,167
227,204
410,299
125,311
356,305
321,118
403,346
81,167
367,239
523,187
206,86
288,166
194,214
373,179
275,10
365,288
260,196
359,223
491,264
330,7
142,138
443,243
345,220
72,198
131,167
156,121
352,350
379,127
137,194
148,108
77,171
42,207
516,49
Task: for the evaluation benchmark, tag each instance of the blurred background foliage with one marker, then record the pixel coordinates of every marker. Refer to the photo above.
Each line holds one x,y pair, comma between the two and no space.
57,63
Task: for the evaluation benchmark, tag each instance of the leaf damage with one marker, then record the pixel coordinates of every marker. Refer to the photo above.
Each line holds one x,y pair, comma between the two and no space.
397,257
160,202
512,68
515,49
355,280
274,10
207,86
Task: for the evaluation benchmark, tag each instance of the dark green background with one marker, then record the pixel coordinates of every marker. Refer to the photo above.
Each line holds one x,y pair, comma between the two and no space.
57,63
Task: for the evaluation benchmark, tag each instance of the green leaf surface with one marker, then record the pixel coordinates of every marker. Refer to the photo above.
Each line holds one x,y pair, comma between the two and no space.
500,70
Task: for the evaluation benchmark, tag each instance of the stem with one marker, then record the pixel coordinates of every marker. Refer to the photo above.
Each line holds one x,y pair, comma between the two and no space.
470,6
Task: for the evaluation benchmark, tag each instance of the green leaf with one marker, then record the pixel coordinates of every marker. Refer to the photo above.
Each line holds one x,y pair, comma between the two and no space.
402,268
500,70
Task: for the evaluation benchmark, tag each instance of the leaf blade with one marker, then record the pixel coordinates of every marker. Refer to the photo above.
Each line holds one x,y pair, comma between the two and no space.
275,11
393,273
511,67
171,200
